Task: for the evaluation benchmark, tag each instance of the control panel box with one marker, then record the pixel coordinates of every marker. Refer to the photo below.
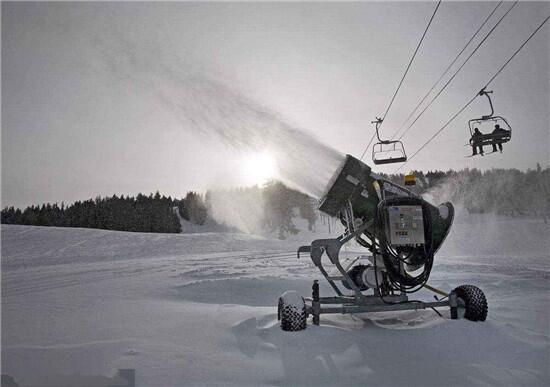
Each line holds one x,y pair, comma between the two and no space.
406,225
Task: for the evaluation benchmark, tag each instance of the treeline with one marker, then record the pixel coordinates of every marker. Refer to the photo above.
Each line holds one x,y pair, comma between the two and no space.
274,208
508,192
153,213
280,205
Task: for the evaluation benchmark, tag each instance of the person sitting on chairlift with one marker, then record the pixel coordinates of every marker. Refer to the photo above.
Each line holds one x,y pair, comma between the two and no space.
498,133
476,142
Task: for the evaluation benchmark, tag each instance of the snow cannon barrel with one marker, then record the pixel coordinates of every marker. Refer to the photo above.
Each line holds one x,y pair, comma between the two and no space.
355,185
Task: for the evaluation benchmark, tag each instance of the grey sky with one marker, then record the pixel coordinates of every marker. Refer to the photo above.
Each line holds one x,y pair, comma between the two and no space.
79,119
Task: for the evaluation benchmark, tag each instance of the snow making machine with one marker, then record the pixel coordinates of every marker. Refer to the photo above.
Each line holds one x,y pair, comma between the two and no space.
402,233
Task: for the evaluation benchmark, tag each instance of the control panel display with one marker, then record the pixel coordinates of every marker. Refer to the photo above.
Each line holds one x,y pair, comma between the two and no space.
406,225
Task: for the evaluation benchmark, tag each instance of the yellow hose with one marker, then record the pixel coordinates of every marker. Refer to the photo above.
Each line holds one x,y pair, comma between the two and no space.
435,290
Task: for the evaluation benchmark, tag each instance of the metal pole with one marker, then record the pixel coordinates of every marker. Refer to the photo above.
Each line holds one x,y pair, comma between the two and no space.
315,304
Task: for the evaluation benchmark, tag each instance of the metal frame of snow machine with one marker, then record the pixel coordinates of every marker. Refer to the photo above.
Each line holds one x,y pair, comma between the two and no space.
401,231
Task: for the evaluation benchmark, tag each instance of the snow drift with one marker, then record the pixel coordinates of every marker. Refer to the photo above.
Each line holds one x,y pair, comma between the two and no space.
199,309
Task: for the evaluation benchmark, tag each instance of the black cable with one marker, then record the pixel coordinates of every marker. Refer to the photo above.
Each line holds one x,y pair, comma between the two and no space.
517,51
457,71
437,133
474,97
447,69
436,311
392,262
367,147
405,74
414,283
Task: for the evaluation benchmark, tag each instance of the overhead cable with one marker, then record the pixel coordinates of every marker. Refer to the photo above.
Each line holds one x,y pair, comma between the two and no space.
404,75
458,70
474,97
448,68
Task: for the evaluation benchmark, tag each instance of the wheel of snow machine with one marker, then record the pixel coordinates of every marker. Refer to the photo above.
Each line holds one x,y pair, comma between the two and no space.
291,311
475,303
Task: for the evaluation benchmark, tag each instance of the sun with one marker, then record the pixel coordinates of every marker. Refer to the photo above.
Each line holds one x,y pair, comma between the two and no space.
259,168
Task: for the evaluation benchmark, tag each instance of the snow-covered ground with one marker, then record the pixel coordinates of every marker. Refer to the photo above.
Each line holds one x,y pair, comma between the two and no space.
199,309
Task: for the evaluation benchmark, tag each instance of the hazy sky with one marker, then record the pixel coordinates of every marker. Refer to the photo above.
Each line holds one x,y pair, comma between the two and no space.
89,107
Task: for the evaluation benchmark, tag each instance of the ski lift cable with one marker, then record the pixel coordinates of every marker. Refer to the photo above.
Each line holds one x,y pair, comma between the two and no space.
404,75
458,70
516,52
448,68
475,96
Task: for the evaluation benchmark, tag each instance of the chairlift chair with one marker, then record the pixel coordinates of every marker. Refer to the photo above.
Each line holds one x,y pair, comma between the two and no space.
387,151
490,121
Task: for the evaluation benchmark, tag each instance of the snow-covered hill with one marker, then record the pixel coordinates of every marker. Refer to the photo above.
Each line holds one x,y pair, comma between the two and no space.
199,309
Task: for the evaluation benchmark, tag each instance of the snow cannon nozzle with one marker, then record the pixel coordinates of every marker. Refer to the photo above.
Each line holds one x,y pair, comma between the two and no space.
348,183
354,195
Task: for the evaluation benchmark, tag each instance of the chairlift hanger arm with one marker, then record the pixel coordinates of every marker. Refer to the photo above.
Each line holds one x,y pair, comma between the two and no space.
377,123
397,146
423,146
486,93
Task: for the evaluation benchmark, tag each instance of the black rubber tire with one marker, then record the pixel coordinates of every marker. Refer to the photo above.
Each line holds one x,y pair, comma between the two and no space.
475,302
293,317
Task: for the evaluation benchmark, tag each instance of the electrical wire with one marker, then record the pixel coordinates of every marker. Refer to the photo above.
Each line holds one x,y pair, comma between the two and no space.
393,263
447,69
460,68
517,51
404,75
475,96
437,133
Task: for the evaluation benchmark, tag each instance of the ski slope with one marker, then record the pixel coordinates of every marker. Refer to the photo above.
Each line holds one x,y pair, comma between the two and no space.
199,309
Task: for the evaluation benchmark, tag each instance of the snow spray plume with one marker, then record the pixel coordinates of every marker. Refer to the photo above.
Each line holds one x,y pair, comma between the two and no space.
205,105
498,191
243,209
456,189
444,192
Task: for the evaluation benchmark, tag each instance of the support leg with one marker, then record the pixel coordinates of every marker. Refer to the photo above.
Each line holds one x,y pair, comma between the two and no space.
315,304
453,303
